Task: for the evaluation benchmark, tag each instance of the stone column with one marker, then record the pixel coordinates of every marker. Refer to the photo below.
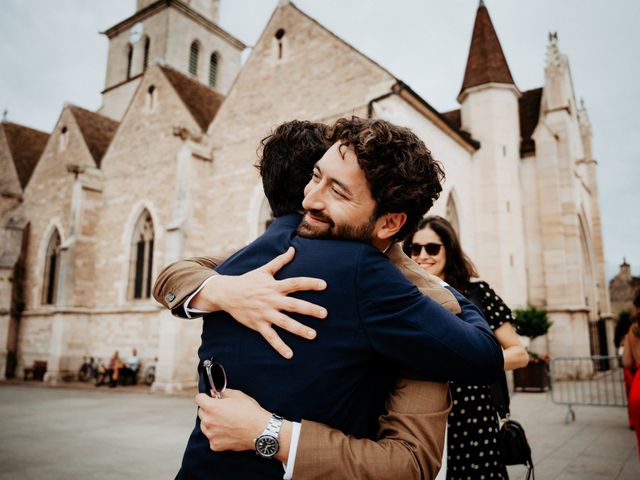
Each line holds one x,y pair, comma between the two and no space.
177,353
12,248
6,285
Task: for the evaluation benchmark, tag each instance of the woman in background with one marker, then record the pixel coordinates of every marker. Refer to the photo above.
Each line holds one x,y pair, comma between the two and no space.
631,360
473,448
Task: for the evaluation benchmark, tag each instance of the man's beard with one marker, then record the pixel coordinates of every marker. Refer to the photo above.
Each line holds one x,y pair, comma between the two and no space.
360,233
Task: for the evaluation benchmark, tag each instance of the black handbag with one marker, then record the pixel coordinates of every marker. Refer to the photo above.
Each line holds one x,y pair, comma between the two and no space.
514,447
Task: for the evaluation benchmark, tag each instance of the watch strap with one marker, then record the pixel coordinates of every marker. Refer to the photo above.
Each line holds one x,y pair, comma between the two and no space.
274,426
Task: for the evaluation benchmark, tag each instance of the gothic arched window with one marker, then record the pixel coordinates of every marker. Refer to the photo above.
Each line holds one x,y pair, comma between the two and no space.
193,58
141,263
129,60
145,60
51,269
452,213
213,70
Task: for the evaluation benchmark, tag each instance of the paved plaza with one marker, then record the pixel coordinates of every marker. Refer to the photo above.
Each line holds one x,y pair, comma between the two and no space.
88,433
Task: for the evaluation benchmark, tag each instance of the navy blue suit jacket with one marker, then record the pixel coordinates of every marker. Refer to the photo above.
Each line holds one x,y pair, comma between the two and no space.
378,323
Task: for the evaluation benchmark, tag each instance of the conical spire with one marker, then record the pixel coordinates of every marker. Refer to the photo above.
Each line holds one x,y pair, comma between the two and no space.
486,62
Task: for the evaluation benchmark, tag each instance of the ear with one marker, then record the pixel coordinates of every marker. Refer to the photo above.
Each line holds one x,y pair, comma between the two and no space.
389,224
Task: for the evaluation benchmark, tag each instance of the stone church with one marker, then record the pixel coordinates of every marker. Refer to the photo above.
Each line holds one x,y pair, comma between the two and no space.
94,209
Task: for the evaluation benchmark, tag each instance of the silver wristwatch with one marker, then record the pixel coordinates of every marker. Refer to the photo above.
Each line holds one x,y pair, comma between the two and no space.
268,442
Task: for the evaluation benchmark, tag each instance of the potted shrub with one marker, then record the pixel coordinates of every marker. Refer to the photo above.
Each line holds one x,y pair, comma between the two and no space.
532,322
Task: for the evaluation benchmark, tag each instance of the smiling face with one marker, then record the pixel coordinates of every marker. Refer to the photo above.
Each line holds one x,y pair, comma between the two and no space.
338,200
434,264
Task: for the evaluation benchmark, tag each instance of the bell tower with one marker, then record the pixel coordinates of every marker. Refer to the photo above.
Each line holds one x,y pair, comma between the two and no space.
182,34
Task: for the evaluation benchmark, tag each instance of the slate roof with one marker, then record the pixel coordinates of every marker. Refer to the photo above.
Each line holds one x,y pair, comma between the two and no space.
486,62
97,130
203,102
26,146
529,111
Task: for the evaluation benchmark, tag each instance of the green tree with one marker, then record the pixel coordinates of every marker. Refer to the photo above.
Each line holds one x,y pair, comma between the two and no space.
532,322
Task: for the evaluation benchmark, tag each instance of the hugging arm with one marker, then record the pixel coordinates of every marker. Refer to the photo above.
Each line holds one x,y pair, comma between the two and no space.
255,299
419,334
180,279
410,444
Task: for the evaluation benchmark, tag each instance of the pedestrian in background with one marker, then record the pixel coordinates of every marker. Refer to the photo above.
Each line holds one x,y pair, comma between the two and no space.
631,360
472,430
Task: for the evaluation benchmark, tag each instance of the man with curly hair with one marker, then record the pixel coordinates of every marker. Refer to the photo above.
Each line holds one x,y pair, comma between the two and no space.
372,186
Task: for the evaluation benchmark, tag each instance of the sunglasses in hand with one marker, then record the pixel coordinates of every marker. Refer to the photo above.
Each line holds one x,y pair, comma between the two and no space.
431,248
215,378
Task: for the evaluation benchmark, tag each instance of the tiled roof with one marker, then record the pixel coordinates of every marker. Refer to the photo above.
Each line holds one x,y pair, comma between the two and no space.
202,101
486,62
97,130
529,114
529,106
26,145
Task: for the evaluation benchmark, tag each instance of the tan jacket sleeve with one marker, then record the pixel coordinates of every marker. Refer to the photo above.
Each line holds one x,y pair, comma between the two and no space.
411,436
410,445
180,279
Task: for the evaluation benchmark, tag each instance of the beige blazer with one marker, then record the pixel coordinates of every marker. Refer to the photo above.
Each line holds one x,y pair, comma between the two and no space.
411,435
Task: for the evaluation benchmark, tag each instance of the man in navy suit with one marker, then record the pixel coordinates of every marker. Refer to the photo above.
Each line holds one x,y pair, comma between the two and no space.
371,187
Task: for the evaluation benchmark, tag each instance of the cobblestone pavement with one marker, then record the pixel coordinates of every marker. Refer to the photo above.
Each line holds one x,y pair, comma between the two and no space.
598,445
89,433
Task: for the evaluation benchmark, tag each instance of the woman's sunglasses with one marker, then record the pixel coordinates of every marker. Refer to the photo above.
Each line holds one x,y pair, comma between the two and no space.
431,248
215,378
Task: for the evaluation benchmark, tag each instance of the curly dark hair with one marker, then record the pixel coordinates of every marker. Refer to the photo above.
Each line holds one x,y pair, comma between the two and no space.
458,268
286,163
398,166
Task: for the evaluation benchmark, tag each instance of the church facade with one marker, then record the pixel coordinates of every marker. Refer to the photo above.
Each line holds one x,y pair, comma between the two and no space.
93,210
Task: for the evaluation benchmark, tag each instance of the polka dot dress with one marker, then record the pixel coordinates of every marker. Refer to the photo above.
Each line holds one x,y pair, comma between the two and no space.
474,452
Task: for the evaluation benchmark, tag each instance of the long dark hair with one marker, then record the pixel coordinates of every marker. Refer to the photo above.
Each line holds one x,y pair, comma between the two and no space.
458,268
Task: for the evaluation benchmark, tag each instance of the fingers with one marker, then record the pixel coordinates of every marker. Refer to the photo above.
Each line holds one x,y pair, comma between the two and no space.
295,305
296,284
202,400
280,261
293,326
270,335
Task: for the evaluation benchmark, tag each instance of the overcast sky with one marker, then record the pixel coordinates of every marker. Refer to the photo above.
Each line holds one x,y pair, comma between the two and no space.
51,52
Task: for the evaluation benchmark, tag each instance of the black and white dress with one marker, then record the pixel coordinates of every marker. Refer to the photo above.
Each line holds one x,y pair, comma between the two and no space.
473,449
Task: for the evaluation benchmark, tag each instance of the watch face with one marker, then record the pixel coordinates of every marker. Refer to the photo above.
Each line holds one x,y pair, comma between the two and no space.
267,446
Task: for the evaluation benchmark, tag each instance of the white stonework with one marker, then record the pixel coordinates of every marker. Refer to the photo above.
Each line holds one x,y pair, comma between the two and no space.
530,221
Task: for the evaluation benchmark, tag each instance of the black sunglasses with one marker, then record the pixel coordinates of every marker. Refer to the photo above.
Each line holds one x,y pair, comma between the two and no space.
431,248
215,378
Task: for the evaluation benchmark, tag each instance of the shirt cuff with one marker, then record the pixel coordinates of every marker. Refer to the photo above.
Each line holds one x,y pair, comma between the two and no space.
293,449
194,312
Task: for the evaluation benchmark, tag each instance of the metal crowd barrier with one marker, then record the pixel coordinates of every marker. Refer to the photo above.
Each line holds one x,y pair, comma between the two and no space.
596,380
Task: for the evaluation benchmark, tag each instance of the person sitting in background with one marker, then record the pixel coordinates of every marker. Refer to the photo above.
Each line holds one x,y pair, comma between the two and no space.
130,369
631,360
112,371
473,448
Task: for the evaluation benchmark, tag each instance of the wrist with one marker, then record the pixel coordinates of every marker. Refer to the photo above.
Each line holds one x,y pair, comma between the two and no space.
210,297
286,432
